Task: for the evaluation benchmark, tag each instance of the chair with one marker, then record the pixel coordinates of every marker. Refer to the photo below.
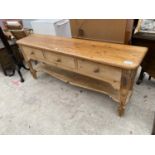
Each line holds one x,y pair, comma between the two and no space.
6,63
147,40
15,58
19,34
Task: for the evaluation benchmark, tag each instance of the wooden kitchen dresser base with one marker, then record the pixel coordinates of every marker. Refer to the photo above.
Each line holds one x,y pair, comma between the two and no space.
103,67
79,80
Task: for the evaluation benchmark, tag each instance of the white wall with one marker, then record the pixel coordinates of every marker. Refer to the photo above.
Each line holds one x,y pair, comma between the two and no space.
27,23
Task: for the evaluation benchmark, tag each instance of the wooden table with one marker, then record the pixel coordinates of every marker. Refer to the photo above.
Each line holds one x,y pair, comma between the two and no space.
103,67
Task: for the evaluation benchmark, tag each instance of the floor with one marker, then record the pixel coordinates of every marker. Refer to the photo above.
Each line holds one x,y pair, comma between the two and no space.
49,106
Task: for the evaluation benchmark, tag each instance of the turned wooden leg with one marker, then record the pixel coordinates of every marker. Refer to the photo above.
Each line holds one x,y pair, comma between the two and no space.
28,61
123,100
153,130
33,72
127,81
121,109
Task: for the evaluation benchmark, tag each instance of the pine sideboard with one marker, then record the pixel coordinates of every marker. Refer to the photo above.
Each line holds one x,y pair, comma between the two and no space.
99,66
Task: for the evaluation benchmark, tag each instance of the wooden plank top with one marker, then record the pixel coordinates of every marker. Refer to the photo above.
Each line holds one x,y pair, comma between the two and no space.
123,56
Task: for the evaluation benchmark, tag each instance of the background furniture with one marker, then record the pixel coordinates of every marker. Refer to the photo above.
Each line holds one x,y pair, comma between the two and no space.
15,57
19,34
110,30
12,24
103,67
15,27
6,63
147,40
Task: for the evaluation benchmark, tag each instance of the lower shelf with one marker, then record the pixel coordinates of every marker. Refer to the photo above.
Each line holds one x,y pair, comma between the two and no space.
80,80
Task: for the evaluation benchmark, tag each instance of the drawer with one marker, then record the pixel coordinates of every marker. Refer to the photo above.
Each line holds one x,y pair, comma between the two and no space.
60,60
105,73
33,53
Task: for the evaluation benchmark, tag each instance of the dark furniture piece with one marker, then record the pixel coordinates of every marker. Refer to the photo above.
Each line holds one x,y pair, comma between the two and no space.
15,61
7,65
147,40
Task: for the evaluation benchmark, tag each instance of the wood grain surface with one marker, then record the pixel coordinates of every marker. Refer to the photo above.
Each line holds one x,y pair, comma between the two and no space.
123,56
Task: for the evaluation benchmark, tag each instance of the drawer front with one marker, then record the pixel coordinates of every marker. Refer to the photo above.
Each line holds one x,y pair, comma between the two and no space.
105,73
60,60
33,53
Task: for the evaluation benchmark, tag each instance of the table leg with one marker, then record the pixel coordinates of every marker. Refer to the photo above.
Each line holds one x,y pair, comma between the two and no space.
153,130
121,108
127,81
33,72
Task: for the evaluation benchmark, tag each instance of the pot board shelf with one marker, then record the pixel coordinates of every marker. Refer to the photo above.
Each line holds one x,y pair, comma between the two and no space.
78,80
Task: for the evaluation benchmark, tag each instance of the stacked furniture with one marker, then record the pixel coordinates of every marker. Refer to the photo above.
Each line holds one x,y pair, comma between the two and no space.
16,28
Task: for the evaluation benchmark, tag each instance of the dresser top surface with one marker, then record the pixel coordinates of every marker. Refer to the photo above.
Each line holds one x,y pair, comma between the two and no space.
123,56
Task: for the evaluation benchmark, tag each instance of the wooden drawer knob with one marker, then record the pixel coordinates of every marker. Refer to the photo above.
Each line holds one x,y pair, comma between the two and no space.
32,53
58,60
96,70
